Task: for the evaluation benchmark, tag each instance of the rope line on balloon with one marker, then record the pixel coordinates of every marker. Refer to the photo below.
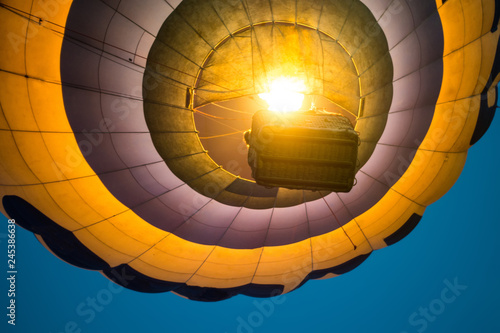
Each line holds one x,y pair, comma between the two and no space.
355,221
308,229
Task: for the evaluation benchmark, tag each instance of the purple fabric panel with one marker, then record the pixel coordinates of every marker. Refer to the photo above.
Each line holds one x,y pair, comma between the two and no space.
144,178
422,118
85,74
377,7
288,217
164,176
98,150
89,20
406,92
342,214
125,188
430,84
429,35
119,77
398,125
195,231
397,23
368,198
140,12
135,148
84,110
321,219
184,200
294,234
383,158
421,10
216,214
252,219
123,114
122,37
113,3
406,56
156,214
237,239
399,164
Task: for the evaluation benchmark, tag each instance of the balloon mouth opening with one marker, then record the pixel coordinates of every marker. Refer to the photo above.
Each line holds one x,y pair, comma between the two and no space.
285,94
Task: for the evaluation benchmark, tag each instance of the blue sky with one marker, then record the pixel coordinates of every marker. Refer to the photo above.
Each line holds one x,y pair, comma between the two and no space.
443,277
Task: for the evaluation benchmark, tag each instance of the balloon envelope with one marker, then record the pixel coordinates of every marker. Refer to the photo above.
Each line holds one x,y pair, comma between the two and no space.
102,159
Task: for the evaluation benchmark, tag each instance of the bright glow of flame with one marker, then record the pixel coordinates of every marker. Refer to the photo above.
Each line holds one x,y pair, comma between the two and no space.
285,95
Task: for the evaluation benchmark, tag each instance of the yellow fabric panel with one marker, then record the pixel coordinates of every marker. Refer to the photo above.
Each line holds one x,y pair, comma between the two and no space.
48,107
216,276
33,150
463,141
447,127
452,19
290,277
489,45
25,6
3,122
72,203
52,12
17,110
335,248
170,262
18,170
488,7
97,196
447,176
112,256
418,175
472,59
67,160
46,205
113,237
453,66
473,16
43,52
133,226
178,247
223,263
430,176
151,270
12,39
381,221
222,255
287,265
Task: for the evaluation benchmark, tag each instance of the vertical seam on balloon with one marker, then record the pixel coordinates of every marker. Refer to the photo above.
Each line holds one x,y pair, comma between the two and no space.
355,221
338,221
345,20
216,245
391,188
99,77
309,231
137,46
264,242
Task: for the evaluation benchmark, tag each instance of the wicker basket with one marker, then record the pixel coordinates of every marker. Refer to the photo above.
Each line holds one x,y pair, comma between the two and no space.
304,150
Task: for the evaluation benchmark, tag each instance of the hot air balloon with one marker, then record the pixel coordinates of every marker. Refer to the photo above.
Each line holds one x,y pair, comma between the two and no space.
121,131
